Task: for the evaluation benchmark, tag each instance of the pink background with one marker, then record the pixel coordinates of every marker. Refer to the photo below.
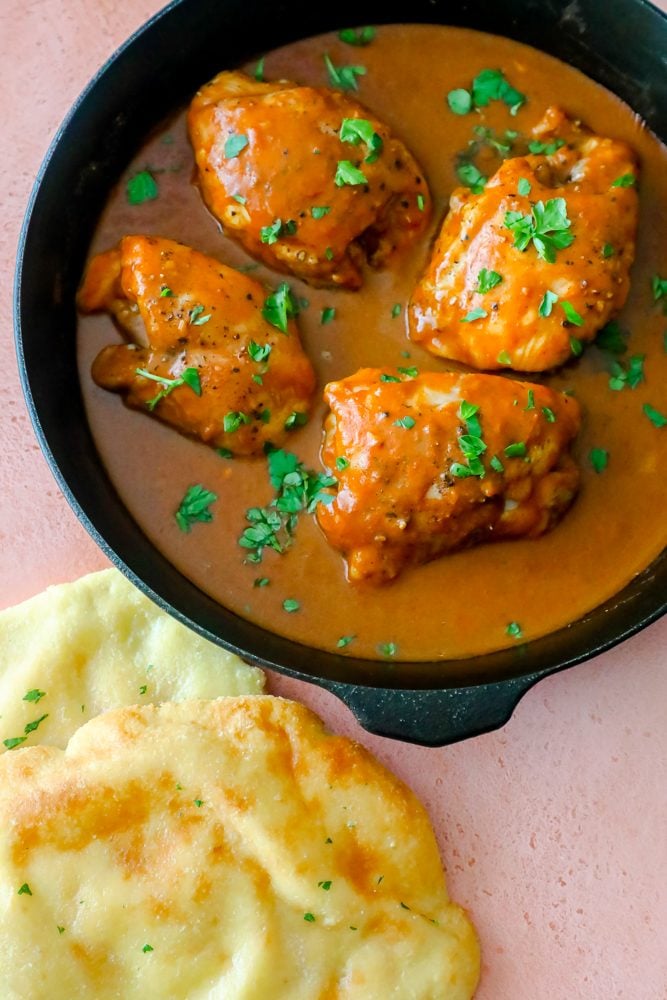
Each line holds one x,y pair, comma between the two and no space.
553,829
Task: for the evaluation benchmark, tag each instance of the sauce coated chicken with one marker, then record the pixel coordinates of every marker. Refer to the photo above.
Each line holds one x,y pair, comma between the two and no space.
537,263
204,357
306,178
430,464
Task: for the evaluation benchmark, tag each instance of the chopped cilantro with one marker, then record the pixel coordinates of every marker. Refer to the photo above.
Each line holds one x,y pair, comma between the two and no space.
195,317
141,187
420,202
496,464
656,418
547,226
524,187
396,310
309,918
389,378
24,890
342,463
233,420
194,507
189,377
610,338
599,458
473,178
571,313
344,77
198,802
271,234
344,641
32,726
329,254
61,930
548,414
608,251
473,315
530,405
143,689
259,352
406,422
576,347
545,148
34,695
319,211
14,741
411,372
325,885
486,280
296,419
514,630
279,307
225,453
387,649
630,378
347,173
259,70
328,313
492,85
359,37
516,450
166,292
549,299
658,287
234,145
261,581
504,358
459,101
625,181
356,130
147,947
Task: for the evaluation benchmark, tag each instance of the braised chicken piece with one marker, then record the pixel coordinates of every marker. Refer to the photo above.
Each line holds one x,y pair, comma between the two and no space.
538,262
430,464
213,353
305,178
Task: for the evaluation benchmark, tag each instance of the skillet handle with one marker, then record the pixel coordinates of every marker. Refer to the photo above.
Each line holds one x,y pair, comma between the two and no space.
434,718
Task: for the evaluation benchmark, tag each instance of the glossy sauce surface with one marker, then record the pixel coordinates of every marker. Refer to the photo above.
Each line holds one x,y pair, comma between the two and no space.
459,605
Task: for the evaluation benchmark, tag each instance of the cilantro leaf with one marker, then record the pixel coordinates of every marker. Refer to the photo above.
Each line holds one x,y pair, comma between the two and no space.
319,211
622,378
514,630
492,85
34,695
360,37
407,422
271,234
524,186
473,315
657,419
625,181
549,299
571,313
194,507
599,458
344,77
141,187
347,173
279,307
469,175
356,130
486,280
547,226
459,101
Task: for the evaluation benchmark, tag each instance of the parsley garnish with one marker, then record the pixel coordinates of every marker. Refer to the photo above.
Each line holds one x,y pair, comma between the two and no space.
141,187
486,280
396,310
189,377
420,202
234,145
198,802
328,313
166,292
25,890
34,695
470,443
407,422
277,229
344,640
147,947
360,37
610,338
631,377
195,317
342,463
658,287
329,254
324,885
459,101
547,226
356,130
61,930
625,181
608,251
530,405
309,918
504,358
259,70
473,315
32,726
496,464
549,299
469,175
194,507
344,77
233,420
389,378
225,453
388,648
279,307
576,347
598,458
514,630
297,489
516,450
549,415
319,211
14,741
261,581
489,85
656,418
411,372
143,689
524,186
545,148
259,352
347,173
571,313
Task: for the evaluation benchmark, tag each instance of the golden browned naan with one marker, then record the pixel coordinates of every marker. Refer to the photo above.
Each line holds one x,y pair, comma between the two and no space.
98,643
223,849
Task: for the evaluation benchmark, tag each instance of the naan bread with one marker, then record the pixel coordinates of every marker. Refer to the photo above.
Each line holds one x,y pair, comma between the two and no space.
97,644
224,849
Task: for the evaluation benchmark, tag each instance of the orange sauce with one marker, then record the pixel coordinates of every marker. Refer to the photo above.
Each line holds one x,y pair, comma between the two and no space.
460,605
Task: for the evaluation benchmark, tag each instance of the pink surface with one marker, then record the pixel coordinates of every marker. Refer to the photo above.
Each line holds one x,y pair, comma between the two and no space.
553,829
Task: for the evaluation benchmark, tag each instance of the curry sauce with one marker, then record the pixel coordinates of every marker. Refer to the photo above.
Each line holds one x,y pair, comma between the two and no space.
472,601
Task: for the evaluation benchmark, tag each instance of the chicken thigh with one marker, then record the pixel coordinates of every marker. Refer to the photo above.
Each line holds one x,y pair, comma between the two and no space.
435,462
536,264
213,353
305,178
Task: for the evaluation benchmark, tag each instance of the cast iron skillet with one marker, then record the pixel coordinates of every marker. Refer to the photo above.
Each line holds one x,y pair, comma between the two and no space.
619,43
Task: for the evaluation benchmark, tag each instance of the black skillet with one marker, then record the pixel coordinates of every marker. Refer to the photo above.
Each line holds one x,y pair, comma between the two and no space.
621,43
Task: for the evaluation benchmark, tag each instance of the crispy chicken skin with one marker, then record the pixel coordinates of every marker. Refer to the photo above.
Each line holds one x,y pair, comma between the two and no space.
592,274
184,310
403,495
288,169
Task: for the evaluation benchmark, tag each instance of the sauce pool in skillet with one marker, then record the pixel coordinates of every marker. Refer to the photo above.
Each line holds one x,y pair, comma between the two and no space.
462,604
